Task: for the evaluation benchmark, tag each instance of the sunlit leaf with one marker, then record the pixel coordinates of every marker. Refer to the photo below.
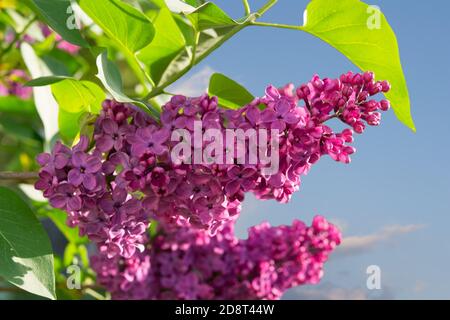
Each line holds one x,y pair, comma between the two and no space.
371,45
166,45
230,93
123,23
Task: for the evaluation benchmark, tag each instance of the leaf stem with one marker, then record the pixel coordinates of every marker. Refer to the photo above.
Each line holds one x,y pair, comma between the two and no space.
277,25
19,176
194,48
266,7
246,7
160,89
197,59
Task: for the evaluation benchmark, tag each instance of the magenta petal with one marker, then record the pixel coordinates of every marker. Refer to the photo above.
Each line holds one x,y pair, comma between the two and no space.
252,114
43,159
58,201
277,180
79,159
248,172
279,125
128,251
106,204
61,160
158,149
105,143
41,185
74,177
291,118
131,206
272,92
93,164
109,126
161,136
150,203
82,145
234,172
138,149
282,107
138,229
232,187
89,181
268,115
74,204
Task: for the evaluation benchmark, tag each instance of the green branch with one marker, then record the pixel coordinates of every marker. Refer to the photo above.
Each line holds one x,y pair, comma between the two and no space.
17,37
19,176
197,59
266,7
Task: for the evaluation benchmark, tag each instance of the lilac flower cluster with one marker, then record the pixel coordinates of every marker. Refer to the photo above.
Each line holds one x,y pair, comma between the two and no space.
12,84
187,263
74,180
112,187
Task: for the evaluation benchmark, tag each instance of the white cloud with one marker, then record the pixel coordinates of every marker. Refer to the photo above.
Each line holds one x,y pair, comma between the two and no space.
357,244
195,85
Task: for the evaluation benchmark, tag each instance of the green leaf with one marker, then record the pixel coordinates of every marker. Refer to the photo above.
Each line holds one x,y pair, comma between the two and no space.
123,23
194,3
230,93
59,218
44,81
59,15
109,75
75,98
12,104
166,45
345,26
26,258
210,16
73,252
214,27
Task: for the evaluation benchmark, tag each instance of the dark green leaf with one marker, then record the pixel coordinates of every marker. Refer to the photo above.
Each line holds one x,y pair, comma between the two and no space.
58,14
26,258
44,81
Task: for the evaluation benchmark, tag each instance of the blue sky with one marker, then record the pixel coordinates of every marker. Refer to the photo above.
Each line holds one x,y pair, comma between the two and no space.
393,200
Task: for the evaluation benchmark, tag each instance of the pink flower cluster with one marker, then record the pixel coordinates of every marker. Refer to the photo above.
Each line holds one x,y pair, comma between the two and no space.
60,43
114,185
46,32
12,84
186,263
